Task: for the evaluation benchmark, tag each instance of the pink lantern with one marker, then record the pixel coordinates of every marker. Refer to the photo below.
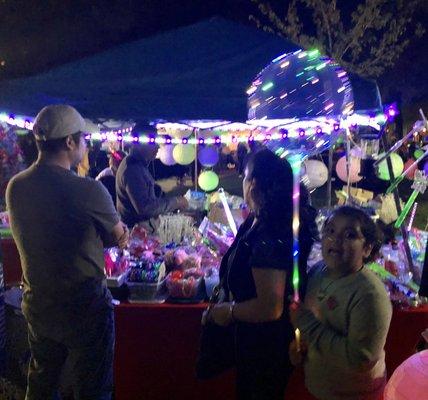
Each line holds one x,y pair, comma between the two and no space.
410,380
354,169
411,173
208,156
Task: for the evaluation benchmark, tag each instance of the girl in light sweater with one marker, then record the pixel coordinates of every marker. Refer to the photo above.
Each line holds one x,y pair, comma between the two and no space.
346,315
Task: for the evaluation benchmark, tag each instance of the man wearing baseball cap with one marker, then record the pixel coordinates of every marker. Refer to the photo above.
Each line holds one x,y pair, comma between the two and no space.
60,223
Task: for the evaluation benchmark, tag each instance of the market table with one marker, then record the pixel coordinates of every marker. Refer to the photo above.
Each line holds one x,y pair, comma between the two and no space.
156,347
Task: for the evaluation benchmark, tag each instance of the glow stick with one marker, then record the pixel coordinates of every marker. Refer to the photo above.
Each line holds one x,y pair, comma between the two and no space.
227,211
419,186
412,216
296,164
416,128
401,177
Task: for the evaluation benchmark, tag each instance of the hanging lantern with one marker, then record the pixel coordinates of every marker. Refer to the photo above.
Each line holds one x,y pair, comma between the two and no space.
184,154
316,172
165,154
397,167
208,156
354,169
208,180
411,173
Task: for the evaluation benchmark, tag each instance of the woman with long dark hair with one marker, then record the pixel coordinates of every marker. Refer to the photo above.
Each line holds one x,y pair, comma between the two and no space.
258,269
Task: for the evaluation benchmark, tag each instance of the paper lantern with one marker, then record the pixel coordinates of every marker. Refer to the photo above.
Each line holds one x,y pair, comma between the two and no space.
354,169
208,156
316,172
410,380
411,173
302,84
208,180
184,153
397,167
165,154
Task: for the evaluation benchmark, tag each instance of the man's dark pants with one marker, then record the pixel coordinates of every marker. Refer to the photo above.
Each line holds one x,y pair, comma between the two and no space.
89,352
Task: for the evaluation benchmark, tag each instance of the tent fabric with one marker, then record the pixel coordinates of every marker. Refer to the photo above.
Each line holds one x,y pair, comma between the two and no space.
200,71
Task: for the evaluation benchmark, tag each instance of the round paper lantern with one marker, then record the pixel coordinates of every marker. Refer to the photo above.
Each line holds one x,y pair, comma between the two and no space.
208,180
354,169
317,173
208,156
397,167
303,84
410,380
165,154
184,153
411,173
418,153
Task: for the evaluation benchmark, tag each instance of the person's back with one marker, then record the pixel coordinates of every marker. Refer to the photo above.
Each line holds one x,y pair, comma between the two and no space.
61,250
61,223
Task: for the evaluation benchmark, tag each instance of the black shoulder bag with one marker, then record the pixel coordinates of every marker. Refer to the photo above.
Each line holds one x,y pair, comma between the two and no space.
217,344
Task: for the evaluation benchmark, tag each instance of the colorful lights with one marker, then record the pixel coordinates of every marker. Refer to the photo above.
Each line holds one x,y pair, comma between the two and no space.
267,86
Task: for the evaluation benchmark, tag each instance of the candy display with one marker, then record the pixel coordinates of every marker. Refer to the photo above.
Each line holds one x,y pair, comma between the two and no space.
184,284
117,263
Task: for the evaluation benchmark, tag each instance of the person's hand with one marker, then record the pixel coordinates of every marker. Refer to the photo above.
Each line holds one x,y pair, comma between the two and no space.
124,238
221,314
296,355
295,309
182,203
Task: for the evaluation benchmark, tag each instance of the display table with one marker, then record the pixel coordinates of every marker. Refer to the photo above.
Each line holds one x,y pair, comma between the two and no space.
157,345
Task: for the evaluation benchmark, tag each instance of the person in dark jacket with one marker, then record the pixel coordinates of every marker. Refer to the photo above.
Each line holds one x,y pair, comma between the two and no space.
136,199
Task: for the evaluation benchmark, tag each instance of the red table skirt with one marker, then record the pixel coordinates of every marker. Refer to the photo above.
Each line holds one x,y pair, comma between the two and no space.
156,347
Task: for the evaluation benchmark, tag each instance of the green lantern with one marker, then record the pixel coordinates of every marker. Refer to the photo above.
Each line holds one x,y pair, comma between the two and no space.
397,167
208,181
184,154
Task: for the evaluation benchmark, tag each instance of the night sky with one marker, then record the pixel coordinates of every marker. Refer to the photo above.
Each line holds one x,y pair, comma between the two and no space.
37,35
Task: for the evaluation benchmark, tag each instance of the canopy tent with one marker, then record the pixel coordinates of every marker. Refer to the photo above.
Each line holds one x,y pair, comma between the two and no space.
200,71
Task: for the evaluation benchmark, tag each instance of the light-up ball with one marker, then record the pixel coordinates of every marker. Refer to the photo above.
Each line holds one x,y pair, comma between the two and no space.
208,180
411,173
316,172
208,156
397,167
302,84
354,169
165,154
410,380
184,153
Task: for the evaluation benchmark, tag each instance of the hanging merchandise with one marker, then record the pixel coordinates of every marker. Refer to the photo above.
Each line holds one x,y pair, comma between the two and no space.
208,156
410,167
165,154
316,172
208,180
354,170
397,167
184,154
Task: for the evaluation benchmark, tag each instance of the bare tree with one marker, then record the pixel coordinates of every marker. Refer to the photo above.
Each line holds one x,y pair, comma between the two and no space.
366,41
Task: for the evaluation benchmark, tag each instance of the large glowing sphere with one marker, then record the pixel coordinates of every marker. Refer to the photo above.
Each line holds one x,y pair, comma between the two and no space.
208,156
165,154
302,84
397,167
208,180
184,153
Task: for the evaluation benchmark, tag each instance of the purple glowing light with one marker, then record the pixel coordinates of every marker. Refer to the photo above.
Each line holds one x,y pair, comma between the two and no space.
184,140
301,132
217,140
336,127
201,141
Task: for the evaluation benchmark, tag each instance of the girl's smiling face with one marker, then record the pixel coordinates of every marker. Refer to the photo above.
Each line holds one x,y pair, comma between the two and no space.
344,247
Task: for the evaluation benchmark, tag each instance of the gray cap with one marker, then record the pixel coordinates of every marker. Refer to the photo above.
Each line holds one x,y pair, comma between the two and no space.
57,121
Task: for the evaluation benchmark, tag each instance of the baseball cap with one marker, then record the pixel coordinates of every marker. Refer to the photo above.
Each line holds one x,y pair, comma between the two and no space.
57,121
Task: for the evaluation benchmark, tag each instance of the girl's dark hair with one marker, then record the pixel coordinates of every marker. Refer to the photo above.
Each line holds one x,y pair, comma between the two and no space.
56,145
273,189
372,234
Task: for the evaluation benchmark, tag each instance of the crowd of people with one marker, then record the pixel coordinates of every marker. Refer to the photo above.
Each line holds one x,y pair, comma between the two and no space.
61,222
